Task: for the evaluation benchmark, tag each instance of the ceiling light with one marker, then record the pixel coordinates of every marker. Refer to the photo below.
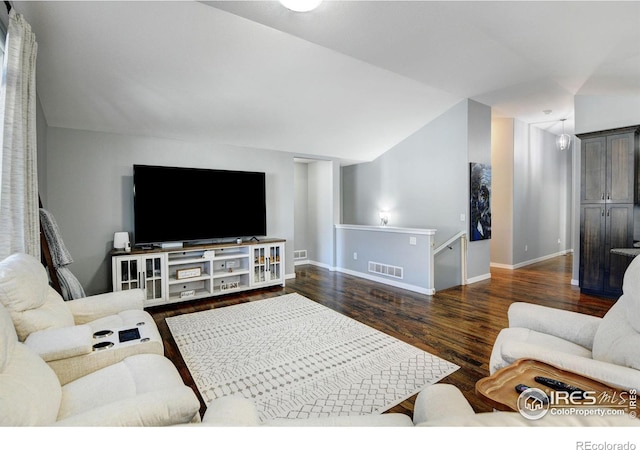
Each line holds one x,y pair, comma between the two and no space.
301,5
564,140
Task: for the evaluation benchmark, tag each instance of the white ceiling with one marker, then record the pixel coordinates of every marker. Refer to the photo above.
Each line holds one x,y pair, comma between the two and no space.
348,81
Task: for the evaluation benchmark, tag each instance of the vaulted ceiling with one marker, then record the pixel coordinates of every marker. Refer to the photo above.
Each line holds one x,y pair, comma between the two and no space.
348,80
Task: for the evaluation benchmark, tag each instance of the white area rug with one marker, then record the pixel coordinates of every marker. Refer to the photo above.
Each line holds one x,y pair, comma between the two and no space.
298,359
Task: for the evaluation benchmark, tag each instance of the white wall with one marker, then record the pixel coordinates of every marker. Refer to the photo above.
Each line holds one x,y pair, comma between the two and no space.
301,205
605,112
89,190
320,215
424,183
542,195
502,192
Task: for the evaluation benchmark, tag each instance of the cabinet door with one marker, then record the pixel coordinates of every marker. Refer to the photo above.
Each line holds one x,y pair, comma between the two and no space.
268,265
619,234
592,239
153,271
592,184
260,271
620,187
275,263
126,270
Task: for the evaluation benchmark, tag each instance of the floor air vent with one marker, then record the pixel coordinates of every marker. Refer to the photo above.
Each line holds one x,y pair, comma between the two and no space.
385,269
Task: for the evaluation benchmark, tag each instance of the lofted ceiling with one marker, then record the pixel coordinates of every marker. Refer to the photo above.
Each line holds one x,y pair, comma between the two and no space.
346,81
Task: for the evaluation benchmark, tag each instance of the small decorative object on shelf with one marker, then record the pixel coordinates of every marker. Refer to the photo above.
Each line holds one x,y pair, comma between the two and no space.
229,286
188,293
190,272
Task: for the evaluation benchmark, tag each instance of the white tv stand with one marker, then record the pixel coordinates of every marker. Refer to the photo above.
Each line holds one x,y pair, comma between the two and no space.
199,271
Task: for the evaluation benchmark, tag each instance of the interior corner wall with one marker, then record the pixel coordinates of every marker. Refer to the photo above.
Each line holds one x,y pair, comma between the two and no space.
301,237
89,189
423,182
479,151
502,191
320,217
542,200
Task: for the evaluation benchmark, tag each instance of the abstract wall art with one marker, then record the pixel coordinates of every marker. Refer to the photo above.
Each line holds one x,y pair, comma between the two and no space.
480,195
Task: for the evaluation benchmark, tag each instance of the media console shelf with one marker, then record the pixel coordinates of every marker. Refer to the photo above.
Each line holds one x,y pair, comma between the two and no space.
194,272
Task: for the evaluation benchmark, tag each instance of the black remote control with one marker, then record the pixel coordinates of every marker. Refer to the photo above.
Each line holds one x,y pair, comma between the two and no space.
520,388
559,385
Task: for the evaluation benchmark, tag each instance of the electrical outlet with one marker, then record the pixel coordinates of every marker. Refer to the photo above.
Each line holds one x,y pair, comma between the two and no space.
526,248
355,255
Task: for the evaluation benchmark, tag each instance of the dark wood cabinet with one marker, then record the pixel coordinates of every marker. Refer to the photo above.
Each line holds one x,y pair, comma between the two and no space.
609,190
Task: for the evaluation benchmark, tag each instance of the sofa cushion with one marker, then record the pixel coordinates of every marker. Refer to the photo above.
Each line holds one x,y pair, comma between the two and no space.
128,383
29,390
8,338
23,282
25,292
618,337
525,336
53,313
616,341
631,292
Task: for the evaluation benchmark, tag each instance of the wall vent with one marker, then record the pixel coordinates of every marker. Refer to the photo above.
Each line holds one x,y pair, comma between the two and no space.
385,269
299,254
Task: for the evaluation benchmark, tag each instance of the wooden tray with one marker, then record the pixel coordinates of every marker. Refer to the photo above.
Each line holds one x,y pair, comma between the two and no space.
498,390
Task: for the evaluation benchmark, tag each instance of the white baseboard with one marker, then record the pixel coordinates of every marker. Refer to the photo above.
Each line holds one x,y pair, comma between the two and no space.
529,262
472,280
300,262
409,287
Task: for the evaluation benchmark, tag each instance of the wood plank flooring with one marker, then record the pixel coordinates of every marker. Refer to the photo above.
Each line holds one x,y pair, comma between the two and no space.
458,324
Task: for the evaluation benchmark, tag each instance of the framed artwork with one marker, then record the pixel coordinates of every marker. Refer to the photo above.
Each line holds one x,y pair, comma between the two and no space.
480,197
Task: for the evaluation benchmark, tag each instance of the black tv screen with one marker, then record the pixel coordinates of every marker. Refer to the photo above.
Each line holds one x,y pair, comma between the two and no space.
179,204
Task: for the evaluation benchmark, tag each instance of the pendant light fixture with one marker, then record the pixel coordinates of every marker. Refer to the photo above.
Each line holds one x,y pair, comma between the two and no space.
301,5
564,140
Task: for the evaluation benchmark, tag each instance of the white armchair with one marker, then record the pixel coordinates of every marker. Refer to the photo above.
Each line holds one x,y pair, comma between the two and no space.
62,332
605,349
141,390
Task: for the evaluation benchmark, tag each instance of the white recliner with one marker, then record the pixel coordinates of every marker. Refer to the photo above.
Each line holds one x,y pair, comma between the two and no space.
605,349
62,332
141,390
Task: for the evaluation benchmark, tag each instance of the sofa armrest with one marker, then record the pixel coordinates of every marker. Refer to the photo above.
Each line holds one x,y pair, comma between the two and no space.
91,308
440,400
610,374
569,325
231,411
173,406
61,343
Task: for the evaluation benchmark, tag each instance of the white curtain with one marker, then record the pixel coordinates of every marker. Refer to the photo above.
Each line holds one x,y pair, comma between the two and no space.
19,209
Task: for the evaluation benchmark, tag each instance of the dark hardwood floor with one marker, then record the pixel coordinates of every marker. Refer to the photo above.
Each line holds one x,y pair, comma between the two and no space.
458,324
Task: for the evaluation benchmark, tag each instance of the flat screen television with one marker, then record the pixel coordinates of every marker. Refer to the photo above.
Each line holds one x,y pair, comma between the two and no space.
180,204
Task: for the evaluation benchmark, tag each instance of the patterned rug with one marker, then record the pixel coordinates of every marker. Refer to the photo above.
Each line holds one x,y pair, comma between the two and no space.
298,359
